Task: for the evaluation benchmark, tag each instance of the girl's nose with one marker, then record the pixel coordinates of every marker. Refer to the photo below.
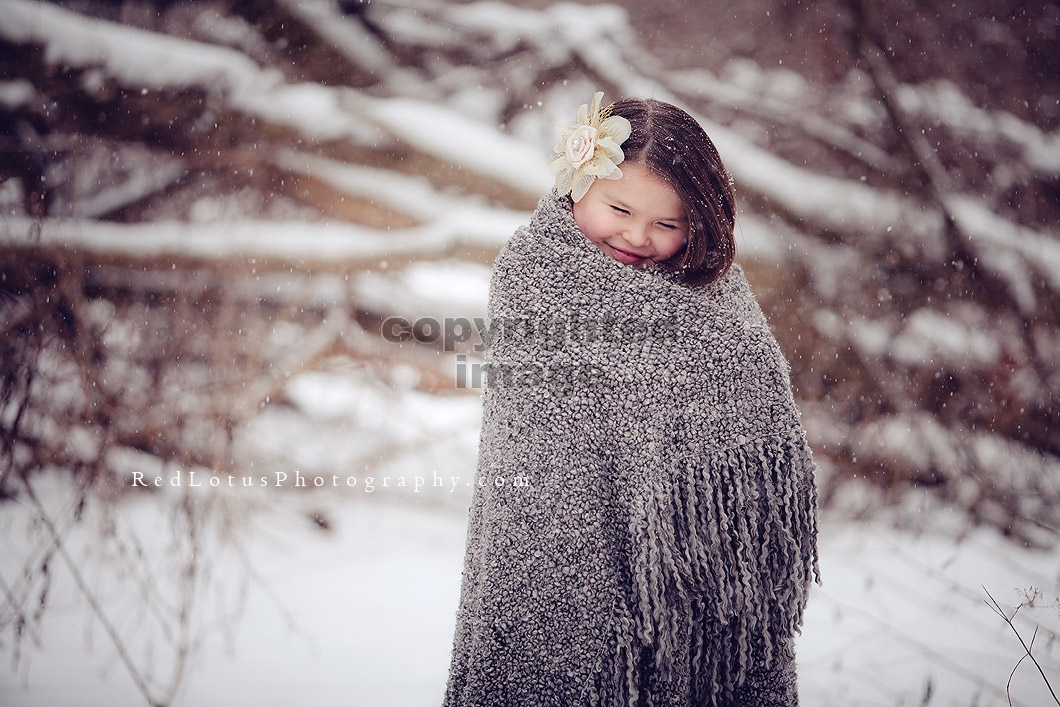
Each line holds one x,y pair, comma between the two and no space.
637,236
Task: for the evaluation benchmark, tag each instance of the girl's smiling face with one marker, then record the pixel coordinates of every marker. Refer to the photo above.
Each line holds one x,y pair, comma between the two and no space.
637,220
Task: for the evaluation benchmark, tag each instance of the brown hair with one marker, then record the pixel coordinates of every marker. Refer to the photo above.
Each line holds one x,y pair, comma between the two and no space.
670,143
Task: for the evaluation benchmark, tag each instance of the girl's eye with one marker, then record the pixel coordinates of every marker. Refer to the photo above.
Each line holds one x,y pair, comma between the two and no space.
619,209
668,226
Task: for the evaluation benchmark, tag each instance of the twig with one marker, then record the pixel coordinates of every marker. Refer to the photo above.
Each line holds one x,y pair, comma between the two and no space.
93,602
1026,648
24,621
191,575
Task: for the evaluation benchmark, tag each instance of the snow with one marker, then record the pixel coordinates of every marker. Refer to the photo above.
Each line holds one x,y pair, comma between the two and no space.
290,613
451,137
902,617
409,24
827,201
962,337
358,434
871,338
319,242
159,62
350,38
17,93
505,24
745,86
844,205
830,203
933,337
1011,250
153,61
760,240
943,101
132,55
586,25
449,288
147,174
235,32
365,611
407,194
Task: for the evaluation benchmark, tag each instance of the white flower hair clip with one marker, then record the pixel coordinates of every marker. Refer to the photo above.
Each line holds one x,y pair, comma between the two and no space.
588,149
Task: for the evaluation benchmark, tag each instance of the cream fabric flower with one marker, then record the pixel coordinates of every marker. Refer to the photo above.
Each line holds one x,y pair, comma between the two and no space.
589,148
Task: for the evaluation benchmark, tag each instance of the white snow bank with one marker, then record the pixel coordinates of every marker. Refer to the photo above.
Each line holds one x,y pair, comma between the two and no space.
901,619
364,611
367,610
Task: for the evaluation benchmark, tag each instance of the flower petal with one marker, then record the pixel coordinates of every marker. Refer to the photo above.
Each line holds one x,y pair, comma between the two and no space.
580,185
595,156
594,109
610,148
563,182
599,167
583,115
616,127
559,163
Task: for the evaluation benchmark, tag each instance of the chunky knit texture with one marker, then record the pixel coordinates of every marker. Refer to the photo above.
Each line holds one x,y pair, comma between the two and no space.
643,528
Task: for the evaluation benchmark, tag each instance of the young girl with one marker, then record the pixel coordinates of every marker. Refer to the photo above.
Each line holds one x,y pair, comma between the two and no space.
643,529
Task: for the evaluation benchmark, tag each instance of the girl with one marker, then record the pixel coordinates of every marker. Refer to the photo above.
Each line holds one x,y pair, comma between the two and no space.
660,547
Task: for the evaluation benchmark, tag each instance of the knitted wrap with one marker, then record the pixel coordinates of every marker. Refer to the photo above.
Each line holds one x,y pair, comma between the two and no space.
643,526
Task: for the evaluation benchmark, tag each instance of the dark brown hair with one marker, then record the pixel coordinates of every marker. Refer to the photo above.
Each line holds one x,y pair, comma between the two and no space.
671,144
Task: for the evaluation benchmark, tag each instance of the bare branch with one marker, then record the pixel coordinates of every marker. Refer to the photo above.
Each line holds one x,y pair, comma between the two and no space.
1027,648
90,597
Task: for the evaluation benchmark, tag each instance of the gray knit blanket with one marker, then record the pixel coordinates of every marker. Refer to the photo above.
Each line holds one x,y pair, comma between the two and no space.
643,527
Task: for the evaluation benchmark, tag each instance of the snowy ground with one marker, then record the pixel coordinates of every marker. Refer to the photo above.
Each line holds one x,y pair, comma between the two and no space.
363,613
359,615
901,619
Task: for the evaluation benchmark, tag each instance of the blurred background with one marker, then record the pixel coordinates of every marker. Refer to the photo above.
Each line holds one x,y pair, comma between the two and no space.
208,209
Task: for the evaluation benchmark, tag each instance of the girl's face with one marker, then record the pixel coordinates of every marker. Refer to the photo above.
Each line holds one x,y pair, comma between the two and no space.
637,220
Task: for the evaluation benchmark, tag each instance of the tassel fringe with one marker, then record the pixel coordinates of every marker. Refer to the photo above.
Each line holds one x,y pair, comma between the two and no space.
723,554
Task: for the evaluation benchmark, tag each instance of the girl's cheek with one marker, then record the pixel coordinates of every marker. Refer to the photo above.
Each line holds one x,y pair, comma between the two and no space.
587,227
597,229
592,221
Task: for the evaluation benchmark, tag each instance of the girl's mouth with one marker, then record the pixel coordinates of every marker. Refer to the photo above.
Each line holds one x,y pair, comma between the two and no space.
625,256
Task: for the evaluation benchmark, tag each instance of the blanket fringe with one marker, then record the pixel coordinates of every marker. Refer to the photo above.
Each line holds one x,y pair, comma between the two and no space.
722,558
